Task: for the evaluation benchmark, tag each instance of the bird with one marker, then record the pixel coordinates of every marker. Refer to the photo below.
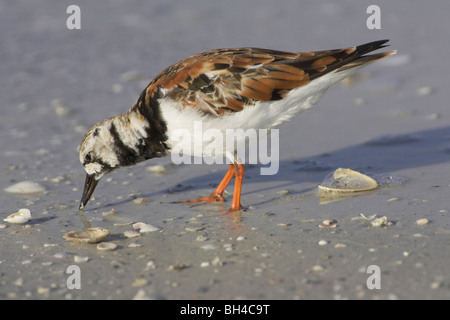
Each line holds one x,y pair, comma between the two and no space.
236,88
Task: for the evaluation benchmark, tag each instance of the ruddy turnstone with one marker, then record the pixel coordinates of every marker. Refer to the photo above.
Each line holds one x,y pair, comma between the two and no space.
224,89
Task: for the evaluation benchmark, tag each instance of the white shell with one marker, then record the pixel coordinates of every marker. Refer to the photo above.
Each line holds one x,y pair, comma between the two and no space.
347,180
144,227
106,246
25,187
23,216
90,235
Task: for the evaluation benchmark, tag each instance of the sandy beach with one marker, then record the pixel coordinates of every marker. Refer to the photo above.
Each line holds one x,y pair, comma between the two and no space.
390,121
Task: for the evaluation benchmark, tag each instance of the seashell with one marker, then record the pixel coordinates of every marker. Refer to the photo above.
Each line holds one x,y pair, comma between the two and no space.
90,235
347,180
144,227
141,201
328,224
157,169
23,216
422,222
106,246
25,187
131,234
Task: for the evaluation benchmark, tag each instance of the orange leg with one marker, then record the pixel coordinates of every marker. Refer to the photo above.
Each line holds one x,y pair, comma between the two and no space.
239,176
217,194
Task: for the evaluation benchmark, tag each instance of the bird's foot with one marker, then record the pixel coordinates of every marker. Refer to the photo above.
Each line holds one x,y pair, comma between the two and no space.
211,198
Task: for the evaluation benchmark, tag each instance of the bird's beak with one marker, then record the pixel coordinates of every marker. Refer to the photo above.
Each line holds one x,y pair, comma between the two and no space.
89,187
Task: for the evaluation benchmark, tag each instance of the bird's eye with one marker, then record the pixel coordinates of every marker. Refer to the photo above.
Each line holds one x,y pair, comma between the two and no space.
88,157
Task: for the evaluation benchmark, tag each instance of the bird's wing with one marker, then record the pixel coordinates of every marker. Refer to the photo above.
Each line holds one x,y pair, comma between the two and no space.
221,81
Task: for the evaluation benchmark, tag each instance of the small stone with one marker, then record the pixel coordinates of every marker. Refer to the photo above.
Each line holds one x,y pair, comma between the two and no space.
323,242
422,222
380,222
42,290
117,88
25,187
240,238
21,217
204,264
209,246
158,169
131,234
144,227
216,262
139,283
134,245
109,213
60,108
90,235
201,238
283,224
317,268
141,201
193,229
151,264
328,224
424,91
79,259
106,246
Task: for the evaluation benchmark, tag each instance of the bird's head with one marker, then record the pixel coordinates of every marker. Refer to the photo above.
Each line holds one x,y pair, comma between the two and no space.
98,157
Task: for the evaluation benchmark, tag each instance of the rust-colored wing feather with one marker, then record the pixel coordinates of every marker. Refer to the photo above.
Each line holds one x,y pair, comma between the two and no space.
221,81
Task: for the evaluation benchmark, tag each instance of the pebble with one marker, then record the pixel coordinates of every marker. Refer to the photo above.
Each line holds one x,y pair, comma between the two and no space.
216,262
21,217
106,246
151,264
317,267
42,290
284,224
130,76
323,242
139,283
109,213
240,238
131,234
424,91
141,201
209,246
193,229
380,222
201,238
134,245
2,226
422,222
156,169
144,227
328,224
61,255
392,139
25,187
60,108
79,259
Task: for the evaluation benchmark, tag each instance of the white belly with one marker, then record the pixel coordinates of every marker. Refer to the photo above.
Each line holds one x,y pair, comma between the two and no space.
199,134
